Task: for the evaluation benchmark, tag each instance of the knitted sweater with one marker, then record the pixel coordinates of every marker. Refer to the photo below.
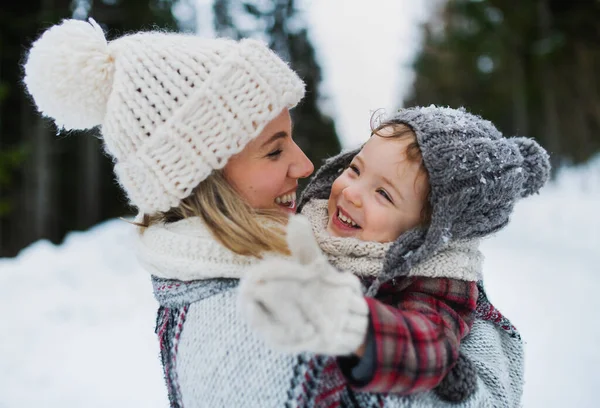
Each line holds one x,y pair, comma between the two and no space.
212,359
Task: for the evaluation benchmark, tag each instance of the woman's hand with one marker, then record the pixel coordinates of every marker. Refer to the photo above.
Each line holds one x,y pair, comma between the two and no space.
302,303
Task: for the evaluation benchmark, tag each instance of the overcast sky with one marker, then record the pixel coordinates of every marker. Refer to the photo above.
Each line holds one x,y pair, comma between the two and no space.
365,49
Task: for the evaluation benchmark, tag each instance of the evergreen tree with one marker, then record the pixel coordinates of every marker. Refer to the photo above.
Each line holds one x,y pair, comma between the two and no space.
49,183
530,69
27,159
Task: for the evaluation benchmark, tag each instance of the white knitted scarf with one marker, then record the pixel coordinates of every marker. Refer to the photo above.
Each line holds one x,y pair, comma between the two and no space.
186,250
457,260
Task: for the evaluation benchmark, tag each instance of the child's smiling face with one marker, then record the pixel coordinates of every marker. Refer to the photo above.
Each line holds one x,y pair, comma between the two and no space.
381,194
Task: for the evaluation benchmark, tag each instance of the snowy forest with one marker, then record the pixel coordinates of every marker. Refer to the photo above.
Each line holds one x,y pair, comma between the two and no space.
531,69
80,312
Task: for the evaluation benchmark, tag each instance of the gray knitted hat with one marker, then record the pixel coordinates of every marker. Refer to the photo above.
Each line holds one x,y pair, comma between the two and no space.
475,176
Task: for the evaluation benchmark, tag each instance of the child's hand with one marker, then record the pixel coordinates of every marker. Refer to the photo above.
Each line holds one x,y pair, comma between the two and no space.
302,303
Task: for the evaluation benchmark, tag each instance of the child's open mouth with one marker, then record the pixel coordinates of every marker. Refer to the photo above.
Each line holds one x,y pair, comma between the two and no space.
343,220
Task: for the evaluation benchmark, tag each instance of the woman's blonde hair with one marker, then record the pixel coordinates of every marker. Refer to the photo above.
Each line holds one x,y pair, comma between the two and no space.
239,227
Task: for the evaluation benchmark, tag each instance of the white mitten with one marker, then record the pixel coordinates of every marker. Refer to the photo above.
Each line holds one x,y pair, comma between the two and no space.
302,303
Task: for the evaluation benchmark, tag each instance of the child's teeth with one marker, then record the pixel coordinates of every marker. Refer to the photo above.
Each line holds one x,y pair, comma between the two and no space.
346,219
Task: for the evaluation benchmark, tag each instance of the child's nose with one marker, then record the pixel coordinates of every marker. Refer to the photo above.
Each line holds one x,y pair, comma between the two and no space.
352,195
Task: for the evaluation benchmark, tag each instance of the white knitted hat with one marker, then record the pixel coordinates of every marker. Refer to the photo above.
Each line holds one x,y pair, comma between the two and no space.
172,107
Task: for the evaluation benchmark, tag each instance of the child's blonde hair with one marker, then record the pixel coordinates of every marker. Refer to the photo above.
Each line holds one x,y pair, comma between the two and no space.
413,154
239,227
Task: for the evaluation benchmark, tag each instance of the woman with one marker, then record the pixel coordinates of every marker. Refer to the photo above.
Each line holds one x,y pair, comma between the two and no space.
200,134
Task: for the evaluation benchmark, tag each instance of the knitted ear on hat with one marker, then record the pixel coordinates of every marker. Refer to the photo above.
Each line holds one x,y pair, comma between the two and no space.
69,73
536,165
418,244
320,184
460,383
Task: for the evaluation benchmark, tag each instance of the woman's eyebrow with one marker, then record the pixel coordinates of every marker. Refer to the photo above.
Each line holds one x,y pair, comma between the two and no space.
276,136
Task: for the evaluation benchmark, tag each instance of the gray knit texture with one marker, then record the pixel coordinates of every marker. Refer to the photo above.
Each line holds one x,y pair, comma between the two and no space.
475,174
174,293
460,383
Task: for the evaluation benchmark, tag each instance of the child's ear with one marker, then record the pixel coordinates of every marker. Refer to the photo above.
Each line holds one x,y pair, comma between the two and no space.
301,240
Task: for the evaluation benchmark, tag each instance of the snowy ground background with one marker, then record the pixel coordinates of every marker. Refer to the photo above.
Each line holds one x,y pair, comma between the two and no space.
77,325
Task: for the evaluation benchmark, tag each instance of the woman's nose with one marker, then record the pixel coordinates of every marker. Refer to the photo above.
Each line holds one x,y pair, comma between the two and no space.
301,166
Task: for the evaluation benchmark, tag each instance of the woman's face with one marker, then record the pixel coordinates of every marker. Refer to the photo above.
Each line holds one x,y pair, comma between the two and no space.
266,172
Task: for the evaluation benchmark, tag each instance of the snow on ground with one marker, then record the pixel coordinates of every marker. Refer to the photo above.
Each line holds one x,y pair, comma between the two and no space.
78,325
78,319
543,272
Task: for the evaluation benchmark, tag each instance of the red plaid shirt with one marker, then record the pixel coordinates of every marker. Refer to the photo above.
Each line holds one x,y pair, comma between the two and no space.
416,326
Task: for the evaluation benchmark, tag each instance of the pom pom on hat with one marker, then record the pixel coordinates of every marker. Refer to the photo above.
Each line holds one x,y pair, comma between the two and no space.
536,165
69,72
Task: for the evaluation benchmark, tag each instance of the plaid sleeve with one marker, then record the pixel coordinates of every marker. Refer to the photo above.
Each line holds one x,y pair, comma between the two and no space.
416,332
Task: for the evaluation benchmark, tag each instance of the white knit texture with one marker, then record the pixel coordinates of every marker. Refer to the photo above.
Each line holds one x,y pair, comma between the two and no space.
221,363
173,107
186,250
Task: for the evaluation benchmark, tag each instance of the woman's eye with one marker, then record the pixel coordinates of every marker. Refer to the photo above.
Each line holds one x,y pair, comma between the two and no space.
274,153
385,195
354,168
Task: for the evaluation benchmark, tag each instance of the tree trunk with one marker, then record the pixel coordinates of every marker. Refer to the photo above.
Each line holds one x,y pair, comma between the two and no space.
89,205
549,106
43,196
519,92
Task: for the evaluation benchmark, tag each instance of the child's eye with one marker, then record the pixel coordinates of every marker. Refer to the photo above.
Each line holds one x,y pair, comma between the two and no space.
274,153
354,169
385,195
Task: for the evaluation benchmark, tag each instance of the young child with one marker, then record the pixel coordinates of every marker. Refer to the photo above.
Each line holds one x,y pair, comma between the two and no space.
404,214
